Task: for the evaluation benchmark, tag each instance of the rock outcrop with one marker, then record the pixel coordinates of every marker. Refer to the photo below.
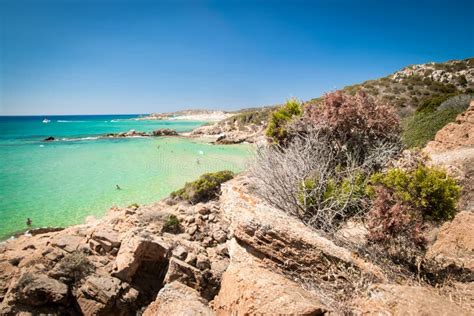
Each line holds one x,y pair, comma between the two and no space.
459,133
248,126
455,242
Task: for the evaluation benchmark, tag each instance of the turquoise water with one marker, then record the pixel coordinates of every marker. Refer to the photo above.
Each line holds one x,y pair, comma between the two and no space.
60,183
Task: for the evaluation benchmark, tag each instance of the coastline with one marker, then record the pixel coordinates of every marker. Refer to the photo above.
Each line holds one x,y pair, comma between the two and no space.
95,165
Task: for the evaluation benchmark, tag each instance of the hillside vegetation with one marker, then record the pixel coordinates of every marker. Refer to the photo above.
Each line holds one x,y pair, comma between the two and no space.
409,88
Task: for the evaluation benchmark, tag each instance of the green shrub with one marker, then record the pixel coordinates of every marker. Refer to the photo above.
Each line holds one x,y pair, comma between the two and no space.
427,189
280,118
422,127
172,225
205,188
256,116
431,104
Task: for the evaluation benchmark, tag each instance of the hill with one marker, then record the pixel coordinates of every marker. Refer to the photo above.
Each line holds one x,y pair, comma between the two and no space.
409,87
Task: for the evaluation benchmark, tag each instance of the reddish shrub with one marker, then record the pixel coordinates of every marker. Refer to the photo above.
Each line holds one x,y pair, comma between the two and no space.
390,218
357,122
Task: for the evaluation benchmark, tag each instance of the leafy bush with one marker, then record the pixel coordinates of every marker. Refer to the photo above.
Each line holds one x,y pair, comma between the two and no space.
422,127
205,188
426,189
279,120
172,225
404,202
431,104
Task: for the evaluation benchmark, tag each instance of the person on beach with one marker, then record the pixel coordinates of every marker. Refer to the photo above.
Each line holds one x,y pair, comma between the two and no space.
117,187
29,222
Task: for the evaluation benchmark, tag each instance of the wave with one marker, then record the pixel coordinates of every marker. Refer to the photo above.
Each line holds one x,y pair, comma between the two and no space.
80,138
66,121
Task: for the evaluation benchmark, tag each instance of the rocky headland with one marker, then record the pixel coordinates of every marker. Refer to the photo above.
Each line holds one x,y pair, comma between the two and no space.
231,255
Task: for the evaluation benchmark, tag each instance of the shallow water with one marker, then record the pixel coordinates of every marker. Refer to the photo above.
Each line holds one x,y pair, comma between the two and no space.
60,183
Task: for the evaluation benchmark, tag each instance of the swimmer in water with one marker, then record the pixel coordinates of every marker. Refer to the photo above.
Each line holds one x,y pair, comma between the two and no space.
29,222
117,187
198,161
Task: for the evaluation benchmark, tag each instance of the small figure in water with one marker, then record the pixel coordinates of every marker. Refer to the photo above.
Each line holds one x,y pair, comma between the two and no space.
198,161
29,222
117,187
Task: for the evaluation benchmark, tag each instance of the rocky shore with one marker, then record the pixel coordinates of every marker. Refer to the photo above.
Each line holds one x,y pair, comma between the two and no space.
232,255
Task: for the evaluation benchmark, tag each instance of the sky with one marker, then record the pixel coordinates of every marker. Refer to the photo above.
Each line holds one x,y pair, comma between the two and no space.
112,57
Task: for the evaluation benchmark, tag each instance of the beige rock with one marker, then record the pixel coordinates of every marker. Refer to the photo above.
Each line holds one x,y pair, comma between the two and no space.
180,252
107,238
455,242
67,242
178,299
400,300
185,273
248,288
459,133
98,294
133,251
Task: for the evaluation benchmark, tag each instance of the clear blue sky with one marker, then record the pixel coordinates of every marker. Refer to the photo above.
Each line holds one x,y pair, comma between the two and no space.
78,57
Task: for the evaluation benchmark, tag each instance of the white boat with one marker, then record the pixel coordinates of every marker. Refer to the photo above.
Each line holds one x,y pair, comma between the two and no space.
46,120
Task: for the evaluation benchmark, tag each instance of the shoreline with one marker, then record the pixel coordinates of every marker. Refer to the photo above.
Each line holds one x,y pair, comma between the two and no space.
31,231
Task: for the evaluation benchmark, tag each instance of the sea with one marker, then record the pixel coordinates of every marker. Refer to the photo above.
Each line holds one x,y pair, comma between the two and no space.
60,183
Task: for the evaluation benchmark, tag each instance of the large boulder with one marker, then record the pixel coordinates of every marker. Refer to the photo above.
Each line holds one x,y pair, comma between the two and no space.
135,251
280,238
67,242
35,289
105,240
178,299
249,288
455,242
98,294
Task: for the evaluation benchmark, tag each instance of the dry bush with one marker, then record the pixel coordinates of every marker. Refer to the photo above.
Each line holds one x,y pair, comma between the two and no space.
312,179
74,267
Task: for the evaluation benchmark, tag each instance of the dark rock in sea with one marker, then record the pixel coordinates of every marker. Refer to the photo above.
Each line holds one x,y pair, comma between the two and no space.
49,139
165,132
